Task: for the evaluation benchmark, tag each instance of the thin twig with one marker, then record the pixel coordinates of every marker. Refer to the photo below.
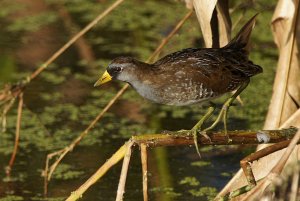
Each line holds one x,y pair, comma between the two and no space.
124,171
46,170
99,173
17,137
144,160
69,148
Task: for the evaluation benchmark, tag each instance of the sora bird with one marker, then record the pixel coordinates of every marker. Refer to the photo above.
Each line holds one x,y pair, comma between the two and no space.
191,76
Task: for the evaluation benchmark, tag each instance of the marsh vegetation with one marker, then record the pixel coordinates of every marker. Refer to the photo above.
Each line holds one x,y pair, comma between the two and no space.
61,102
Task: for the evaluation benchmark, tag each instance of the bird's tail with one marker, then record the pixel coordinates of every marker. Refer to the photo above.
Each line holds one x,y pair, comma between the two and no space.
241,40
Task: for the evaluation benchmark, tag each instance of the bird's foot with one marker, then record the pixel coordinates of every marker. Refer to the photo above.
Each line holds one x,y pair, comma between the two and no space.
194,132
204,134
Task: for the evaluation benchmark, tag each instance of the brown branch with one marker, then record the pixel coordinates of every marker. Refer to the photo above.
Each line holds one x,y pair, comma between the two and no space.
69,148
144,160
17,137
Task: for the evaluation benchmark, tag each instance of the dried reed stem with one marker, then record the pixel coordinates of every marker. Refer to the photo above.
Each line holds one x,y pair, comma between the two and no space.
276,108
70,147
74,39
144,160
17,137
124,171
289,59
99,173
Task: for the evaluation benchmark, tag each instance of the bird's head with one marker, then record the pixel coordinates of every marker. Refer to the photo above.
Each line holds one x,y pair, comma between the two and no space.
121,68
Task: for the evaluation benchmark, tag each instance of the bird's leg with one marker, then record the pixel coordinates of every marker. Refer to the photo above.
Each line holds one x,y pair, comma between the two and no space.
225,107
197,127
209,112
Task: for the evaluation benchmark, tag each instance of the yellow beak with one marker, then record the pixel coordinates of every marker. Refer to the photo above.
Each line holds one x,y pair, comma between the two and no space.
104,78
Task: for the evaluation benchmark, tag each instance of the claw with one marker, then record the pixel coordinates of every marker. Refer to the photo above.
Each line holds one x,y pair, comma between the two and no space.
196,143
203,133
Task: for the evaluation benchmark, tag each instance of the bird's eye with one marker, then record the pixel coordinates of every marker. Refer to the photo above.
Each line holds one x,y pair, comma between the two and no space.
118,69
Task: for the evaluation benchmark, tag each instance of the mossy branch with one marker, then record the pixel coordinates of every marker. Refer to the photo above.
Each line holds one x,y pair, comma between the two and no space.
185,138
216,138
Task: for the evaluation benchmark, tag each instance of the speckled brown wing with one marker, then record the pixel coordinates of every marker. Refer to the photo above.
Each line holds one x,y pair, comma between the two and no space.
220,70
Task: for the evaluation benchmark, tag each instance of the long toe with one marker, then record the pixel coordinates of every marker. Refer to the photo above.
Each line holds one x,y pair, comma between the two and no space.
203,133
